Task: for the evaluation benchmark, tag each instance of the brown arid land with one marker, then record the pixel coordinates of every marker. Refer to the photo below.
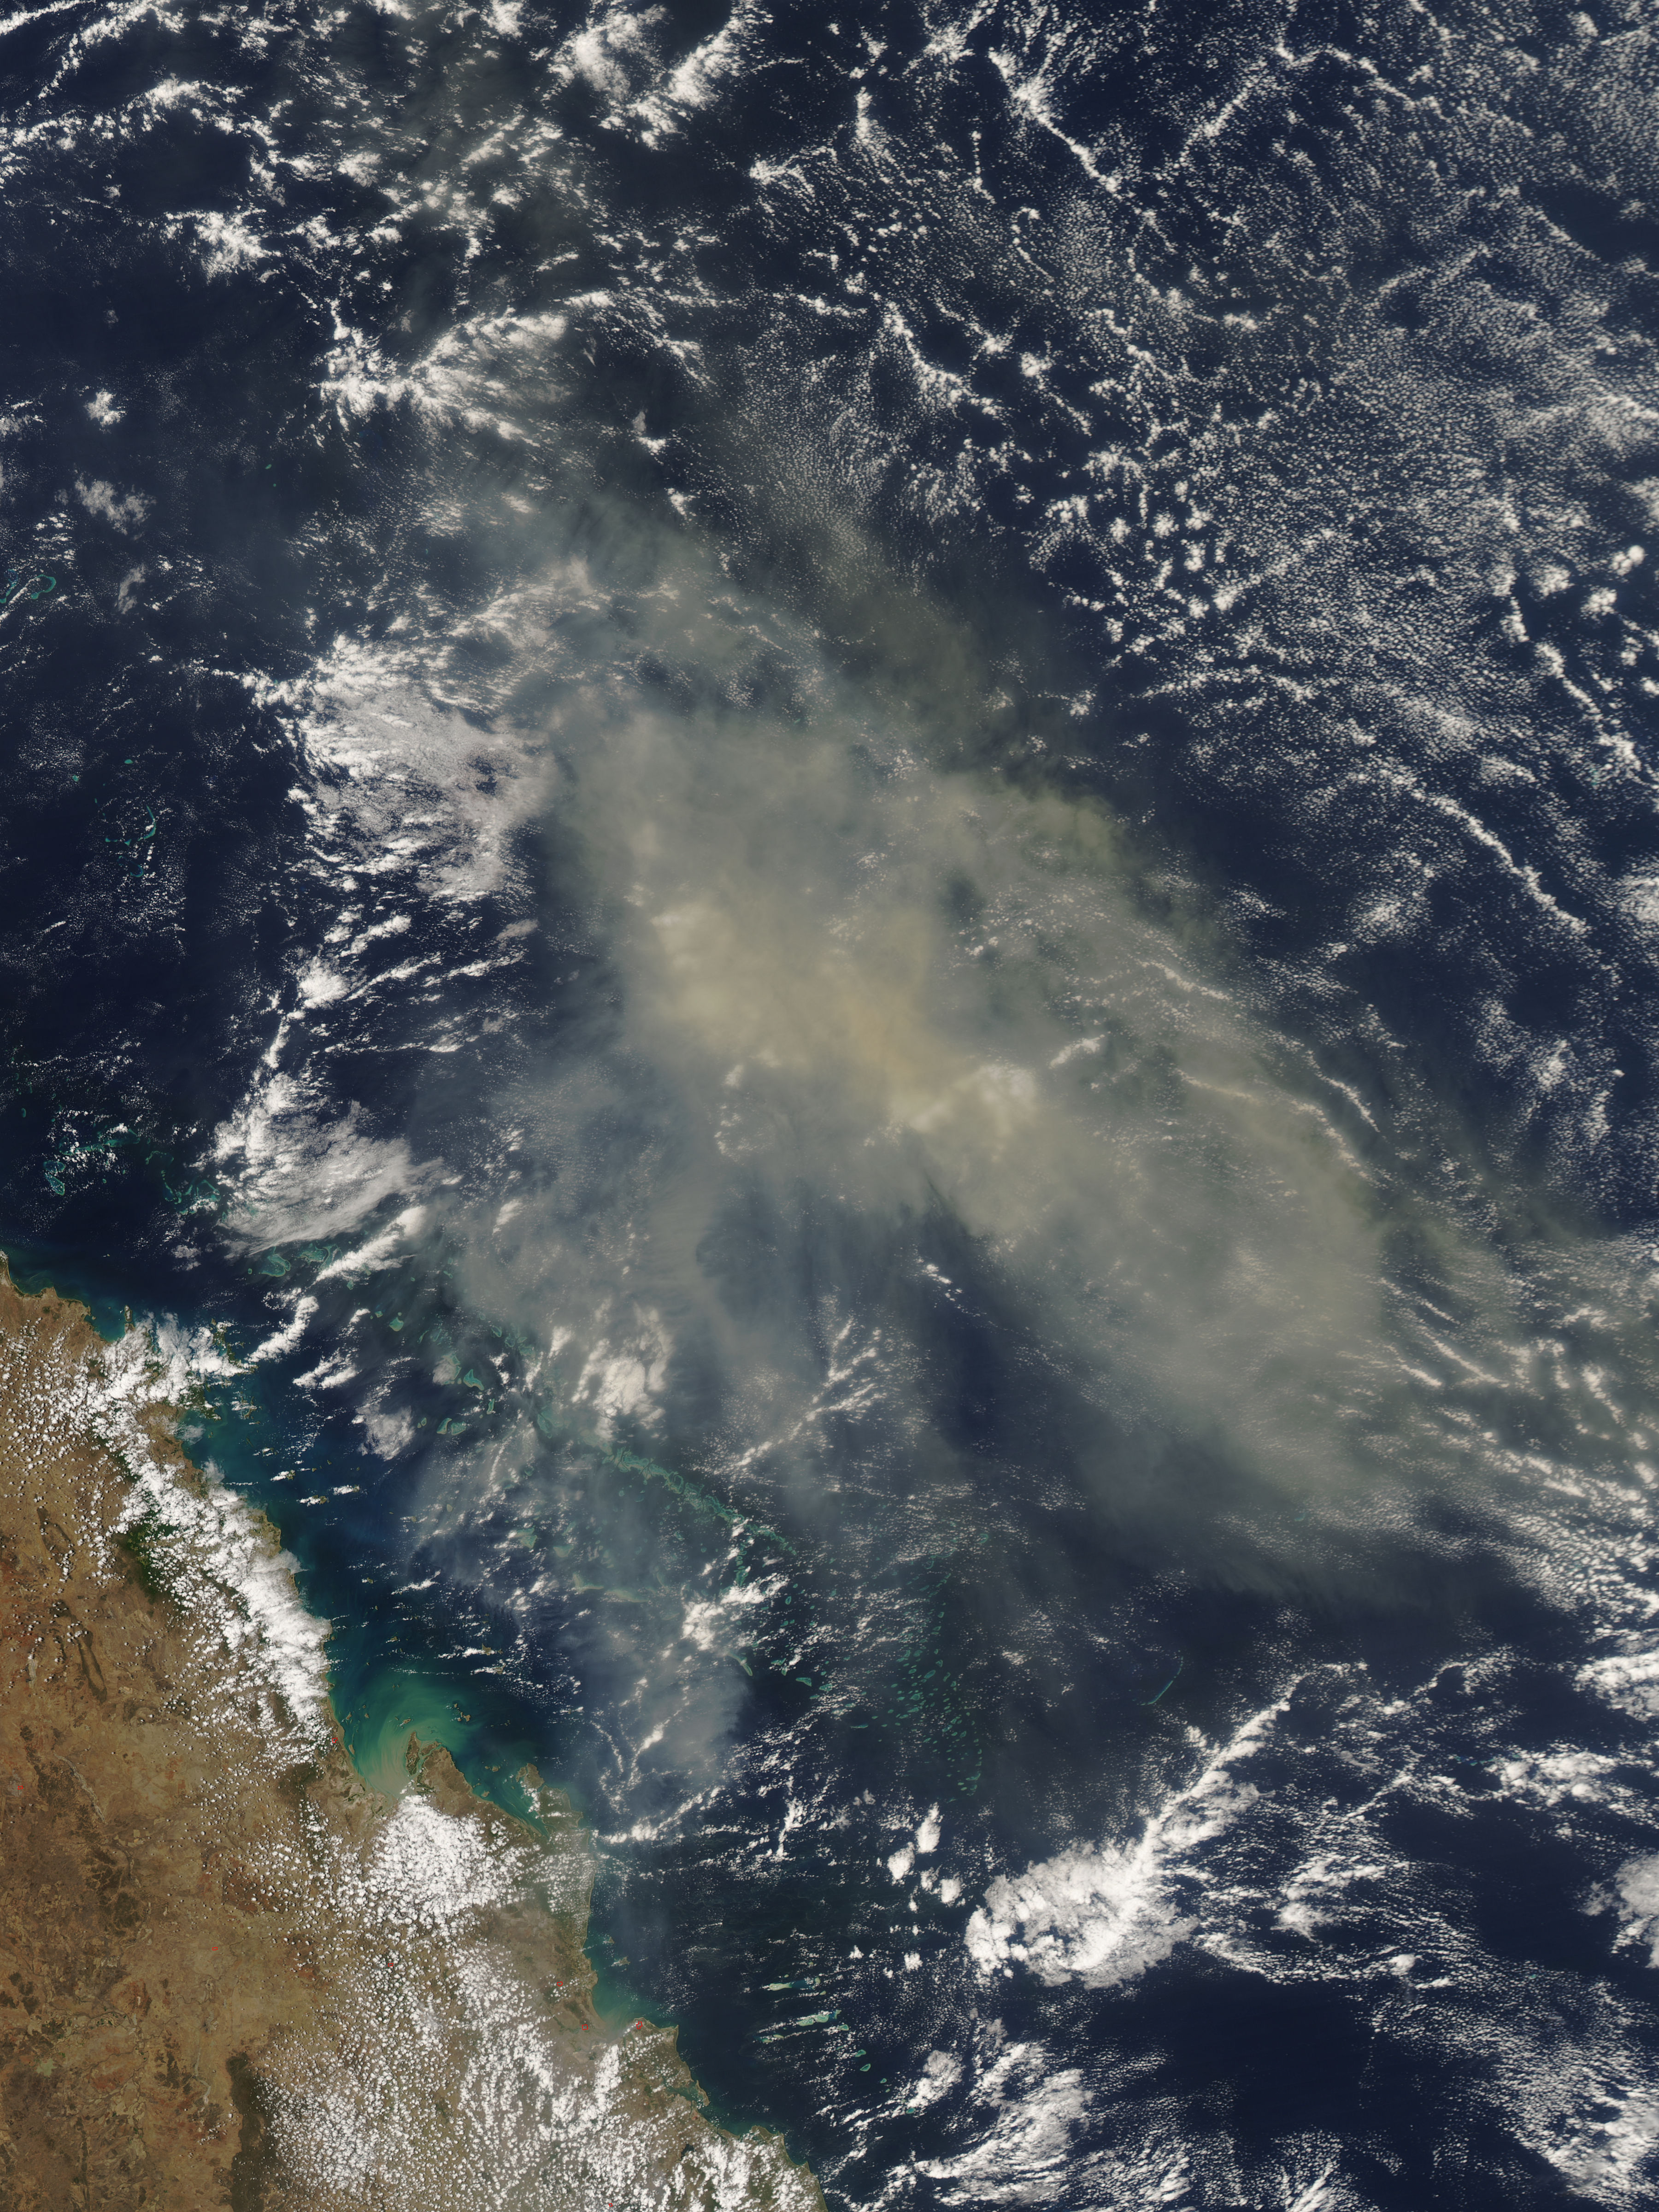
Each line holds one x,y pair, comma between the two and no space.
230,1974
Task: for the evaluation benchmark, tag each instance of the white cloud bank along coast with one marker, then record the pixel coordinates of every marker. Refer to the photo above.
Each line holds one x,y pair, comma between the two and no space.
551,2118
957,933
822,969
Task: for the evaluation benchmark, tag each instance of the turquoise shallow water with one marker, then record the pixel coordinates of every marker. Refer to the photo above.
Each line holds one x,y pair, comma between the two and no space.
385,1677
34,1269
386,1670
855,816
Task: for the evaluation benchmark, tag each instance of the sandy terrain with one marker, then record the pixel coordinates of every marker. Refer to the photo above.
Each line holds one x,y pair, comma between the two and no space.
230,1974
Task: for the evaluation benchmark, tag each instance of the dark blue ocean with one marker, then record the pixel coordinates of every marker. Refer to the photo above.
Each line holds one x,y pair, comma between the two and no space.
834,839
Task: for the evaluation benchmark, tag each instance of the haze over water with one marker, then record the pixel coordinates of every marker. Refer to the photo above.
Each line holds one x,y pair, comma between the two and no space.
848,826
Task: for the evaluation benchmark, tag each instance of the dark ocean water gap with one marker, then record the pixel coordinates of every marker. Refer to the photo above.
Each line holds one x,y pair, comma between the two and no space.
832,838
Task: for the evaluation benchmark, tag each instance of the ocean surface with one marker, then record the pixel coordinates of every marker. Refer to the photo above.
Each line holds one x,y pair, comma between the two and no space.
832,838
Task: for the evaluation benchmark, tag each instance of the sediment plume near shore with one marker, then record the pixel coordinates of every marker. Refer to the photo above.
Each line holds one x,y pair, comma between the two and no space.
230,1972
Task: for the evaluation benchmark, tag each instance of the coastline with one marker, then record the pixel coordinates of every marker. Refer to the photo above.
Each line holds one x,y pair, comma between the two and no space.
230,1972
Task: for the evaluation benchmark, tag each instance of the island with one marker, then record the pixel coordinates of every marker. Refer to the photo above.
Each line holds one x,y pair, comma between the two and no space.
230,1972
